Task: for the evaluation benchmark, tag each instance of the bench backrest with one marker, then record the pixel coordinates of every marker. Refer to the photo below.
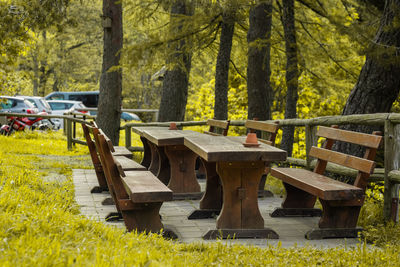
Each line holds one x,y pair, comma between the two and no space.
111,167
218,127
365,166
271,129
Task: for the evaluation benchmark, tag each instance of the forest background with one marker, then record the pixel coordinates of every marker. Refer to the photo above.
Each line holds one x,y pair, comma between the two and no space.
58,45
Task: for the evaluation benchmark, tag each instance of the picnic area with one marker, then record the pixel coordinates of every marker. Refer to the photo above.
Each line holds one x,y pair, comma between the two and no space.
199,133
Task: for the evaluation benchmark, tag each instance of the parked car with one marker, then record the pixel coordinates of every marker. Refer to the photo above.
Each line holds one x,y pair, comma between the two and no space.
59,107
16,105
90,99
39,102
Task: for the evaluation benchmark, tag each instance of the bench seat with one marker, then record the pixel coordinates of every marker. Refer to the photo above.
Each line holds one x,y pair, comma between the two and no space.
144,187
122,151
319,185
129,164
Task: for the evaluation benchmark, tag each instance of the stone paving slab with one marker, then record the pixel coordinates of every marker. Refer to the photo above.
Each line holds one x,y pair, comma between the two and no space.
174,216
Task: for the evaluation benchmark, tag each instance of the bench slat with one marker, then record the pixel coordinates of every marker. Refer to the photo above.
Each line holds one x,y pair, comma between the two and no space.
353,162
262,126
368,140
218,123
143,186
122,151
318,185
129,164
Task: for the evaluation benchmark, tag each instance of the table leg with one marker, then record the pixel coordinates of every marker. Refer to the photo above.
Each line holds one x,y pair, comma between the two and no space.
183,180
146,153
211,203
240,216
159,163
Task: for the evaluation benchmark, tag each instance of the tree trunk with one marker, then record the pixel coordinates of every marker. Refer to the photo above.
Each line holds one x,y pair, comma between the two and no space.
292,74
176,79
222,67
109,107
379,82
259,89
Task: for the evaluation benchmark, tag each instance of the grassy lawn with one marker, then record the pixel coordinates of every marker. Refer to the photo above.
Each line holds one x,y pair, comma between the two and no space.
40,223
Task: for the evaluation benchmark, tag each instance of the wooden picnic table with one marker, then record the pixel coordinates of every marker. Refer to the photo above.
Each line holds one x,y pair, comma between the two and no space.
172,162
146,161
240,169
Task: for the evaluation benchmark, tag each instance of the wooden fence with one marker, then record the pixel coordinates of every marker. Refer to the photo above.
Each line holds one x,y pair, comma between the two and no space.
390,174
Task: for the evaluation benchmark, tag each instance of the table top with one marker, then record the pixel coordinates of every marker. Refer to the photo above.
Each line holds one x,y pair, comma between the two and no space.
231,148
165,137
140,129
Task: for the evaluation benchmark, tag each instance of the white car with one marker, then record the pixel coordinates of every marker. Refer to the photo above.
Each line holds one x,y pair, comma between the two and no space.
59,107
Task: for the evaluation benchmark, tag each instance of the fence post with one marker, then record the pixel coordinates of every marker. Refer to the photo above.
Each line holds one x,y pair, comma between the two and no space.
68,128
128,132
155,116
389,141
311,139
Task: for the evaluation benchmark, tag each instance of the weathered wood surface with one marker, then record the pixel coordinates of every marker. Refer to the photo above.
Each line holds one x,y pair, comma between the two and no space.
144,187
218,123
349,161
316,184
231,148
129,164
140,129
351,137
162,137
262,126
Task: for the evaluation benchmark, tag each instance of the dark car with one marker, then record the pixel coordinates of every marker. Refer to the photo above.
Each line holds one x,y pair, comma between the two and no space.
16,105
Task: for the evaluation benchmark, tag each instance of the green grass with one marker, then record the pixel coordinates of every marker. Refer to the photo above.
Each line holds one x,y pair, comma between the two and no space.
40,223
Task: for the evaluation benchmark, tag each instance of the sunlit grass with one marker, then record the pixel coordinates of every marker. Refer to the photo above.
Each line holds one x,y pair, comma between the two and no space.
40,223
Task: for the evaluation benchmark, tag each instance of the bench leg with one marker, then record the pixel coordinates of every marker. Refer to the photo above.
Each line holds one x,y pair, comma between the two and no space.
154,163
297,203
211,203
101,179
261,188
337,221
144,218
146,153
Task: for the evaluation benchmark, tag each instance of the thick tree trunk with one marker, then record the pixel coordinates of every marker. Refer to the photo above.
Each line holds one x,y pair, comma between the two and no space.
379,82
109,108
176,80
259,89
222,68
292,74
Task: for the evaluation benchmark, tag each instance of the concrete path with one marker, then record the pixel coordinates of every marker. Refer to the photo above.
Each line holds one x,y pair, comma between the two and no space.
174,216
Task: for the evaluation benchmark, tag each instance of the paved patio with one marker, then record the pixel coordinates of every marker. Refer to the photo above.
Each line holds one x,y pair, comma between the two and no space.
174,216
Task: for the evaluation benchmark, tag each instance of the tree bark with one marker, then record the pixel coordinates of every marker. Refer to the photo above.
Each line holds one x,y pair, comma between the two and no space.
378,84
222,67
109,107
176,79
292,73
259,89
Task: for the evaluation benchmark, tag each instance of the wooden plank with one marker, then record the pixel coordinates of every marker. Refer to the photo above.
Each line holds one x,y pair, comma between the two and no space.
212,133
262,126
167,137
140,129
218,123
231,148
129,164
122,151
143,187
316,184
349,161
367,140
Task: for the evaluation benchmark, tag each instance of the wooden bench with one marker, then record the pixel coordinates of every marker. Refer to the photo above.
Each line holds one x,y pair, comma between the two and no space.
126,163
341,202
218,127
138,195
267,136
